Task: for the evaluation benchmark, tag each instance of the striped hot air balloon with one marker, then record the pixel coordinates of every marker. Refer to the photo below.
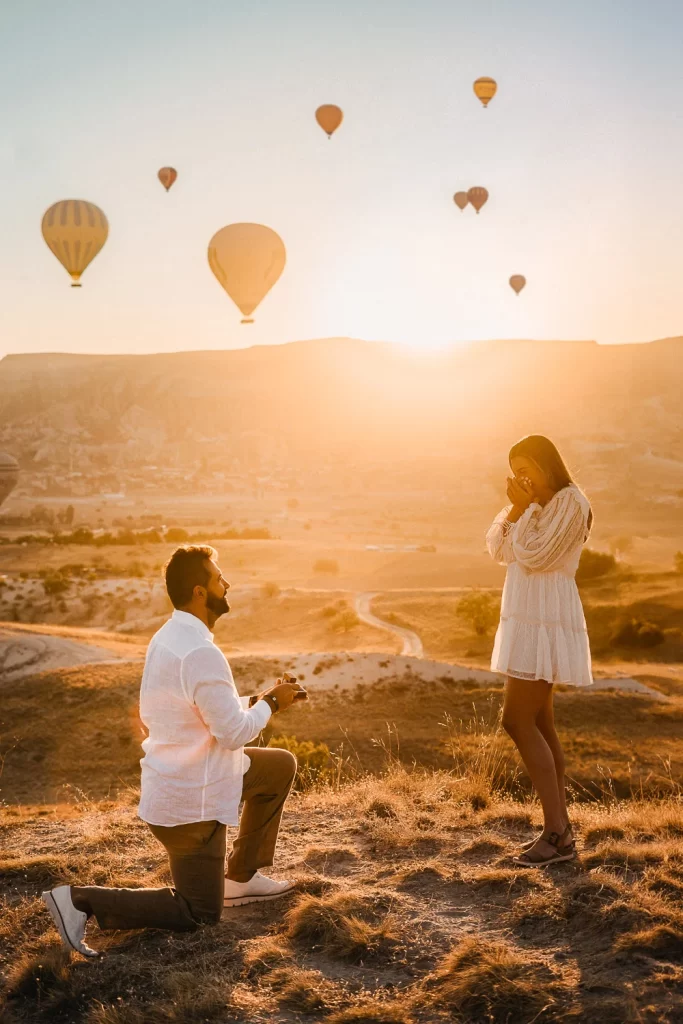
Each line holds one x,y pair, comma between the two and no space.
247,260
477,196
75,231
167,175
9,474
485,89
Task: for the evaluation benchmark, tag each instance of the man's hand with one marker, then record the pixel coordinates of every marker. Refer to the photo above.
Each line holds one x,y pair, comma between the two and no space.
286,691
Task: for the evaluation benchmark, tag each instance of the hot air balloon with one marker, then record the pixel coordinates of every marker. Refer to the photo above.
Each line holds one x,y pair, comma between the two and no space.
461,199
9,474
167,175
485,89
75,230
517,282
329,118
477,196
247,260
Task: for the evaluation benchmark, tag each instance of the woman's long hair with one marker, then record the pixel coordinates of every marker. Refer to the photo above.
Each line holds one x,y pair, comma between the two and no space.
546,456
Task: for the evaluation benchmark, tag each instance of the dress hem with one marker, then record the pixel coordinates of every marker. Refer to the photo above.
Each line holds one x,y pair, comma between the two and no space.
532,679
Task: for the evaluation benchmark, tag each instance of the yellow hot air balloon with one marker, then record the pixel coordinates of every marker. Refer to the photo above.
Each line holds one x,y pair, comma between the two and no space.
461,199
329,118
485,89
75,230
167,175
477,196
247,260
517,282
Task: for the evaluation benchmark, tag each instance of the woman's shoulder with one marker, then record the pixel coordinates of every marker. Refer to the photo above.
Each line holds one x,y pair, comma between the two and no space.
571,496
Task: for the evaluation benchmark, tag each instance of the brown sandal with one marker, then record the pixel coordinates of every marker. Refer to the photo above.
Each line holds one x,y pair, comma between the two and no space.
562,852
568,829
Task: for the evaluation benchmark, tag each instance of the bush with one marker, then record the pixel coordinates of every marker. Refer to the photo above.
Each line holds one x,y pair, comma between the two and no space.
594,564
326,565
270,590
55,583
315,763
176,535
678,561
637,633
480,610
346,620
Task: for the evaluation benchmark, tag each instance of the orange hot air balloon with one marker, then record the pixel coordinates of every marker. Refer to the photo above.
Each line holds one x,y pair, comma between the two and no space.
247,260
477,196
167,175
461,200
485,89
75,230
329,118
517,282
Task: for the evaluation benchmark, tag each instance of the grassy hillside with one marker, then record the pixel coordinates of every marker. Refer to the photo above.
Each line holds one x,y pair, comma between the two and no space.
408,910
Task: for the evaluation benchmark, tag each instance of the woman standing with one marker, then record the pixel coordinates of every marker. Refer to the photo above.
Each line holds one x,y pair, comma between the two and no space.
542,638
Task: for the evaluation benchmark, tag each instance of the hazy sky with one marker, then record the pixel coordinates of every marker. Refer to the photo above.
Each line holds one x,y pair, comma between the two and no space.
581,150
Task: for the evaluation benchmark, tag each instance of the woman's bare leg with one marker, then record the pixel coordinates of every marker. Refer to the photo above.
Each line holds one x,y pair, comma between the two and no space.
545,721
524,700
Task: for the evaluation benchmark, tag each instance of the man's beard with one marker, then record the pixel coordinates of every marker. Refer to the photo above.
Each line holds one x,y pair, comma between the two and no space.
217,605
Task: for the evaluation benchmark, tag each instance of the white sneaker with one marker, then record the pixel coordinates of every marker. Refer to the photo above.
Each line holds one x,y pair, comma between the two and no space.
69,921
258,889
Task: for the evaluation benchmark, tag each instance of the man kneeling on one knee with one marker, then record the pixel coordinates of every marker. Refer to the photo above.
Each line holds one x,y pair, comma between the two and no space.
195,774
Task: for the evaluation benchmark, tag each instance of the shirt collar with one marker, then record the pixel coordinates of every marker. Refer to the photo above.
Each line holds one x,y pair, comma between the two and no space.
188,619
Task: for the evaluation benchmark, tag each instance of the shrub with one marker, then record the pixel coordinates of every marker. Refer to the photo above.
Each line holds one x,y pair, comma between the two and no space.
678,561
326,565
176,535
55,583
594,564
270,589
346,620
480,610
637,633
314,760
329,611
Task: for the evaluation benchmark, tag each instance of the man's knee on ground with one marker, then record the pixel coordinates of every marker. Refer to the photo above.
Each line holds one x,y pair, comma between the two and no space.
211,915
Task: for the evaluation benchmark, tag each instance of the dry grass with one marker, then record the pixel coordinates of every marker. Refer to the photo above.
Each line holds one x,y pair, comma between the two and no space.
409,909
485,980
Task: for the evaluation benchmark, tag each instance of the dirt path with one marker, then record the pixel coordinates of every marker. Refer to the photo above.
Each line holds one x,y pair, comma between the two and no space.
412,645
24,653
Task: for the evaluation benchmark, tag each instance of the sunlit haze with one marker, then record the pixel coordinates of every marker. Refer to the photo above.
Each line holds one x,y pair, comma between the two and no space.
581,151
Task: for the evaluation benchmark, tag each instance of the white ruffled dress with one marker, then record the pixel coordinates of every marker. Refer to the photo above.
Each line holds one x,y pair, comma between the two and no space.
542,632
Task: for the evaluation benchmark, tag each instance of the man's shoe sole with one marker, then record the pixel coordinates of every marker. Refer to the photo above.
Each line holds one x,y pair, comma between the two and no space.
56,915
239,901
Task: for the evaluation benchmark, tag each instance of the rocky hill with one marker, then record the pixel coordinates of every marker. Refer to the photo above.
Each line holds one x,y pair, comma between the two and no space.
317,402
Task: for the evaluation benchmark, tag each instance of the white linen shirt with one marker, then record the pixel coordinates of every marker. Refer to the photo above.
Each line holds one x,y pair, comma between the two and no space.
197,723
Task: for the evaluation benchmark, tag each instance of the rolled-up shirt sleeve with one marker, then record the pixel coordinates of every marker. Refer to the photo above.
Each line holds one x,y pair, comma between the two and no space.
540,545
208,684
498,540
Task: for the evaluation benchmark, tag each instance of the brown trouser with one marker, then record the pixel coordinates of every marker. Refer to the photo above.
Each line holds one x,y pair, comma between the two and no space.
196,854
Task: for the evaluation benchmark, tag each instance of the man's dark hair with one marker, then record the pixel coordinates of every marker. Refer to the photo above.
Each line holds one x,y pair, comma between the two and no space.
185,570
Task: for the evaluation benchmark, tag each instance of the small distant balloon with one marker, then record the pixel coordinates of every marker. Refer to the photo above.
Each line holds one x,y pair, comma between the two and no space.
167,175
477,197
329,117
461,200
75,231
517,282
247,260
485,89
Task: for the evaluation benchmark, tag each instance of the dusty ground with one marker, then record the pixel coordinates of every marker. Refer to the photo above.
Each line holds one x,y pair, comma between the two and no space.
408,909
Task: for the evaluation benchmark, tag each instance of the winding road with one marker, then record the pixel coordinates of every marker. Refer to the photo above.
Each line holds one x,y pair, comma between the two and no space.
412,645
